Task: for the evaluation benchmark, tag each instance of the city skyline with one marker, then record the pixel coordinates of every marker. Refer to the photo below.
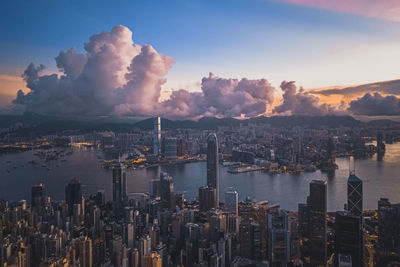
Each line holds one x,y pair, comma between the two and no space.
232,133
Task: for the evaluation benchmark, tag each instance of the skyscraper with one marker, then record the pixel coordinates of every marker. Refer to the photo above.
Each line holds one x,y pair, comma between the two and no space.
231,201
278,238
354,191
84,251
207,198
349,237
38,195
389,228
157,136
354,195
73,194
212,162
167,191
170,148
317,222
119,187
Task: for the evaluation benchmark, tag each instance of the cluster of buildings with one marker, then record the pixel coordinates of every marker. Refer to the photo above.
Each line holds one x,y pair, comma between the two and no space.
272,148
160,228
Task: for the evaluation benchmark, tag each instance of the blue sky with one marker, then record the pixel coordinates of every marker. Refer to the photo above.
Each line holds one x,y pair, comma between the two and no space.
247,38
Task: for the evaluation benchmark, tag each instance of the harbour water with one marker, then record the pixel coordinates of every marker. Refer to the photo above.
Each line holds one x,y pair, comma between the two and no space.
380,179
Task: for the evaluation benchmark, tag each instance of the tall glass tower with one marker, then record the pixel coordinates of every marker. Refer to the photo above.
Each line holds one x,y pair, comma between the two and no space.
73,194
354,191
119,187
317,221
157,136
212,162
354,195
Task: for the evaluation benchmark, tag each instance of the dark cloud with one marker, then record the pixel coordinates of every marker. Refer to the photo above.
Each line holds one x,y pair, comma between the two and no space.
300,102
388,87
375,105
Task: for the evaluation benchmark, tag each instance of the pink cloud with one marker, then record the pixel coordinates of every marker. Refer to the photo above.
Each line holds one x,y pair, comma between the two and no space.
382,9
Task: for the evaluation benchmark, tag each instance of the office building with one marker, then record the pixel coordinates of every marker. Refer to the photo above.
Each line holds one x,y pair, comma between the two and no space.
84,251
212,162
231,201
278,238
317,222
157,136
152,260
73,194
250,240
167,191
303,219
181,149
207,198
119,187
388,228
38,195
354,195
349,238
154,187
170,148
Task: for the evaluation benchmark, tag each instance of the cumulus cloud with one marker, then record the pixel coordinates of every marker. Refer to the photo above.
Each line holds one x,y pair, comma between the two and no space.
300,102
111,77
387,87
375,105
114,76
220,97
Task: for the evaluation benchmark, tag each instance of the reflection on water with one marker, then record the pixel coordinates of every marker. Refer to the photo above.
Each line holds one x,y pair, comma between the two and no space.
381,178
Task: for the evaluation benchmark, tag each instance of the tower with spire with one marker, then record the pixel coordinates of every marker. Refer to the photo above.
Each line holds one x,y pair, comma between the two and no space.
354,191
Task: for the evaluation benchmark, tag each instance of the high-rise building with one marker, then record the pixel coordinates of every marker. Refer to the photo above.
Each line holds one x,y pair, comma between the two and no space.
73,194
170,148
379,142
317,222
250,240
157,136
354,195
231,201
180,200
100,198
77,214
167,191
144,248
349,237
207,198
38,195
181,148
278,238
154,187
128,234
84,251
119,187
303,218
152,260
388,228
134,257
212,162
108,139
